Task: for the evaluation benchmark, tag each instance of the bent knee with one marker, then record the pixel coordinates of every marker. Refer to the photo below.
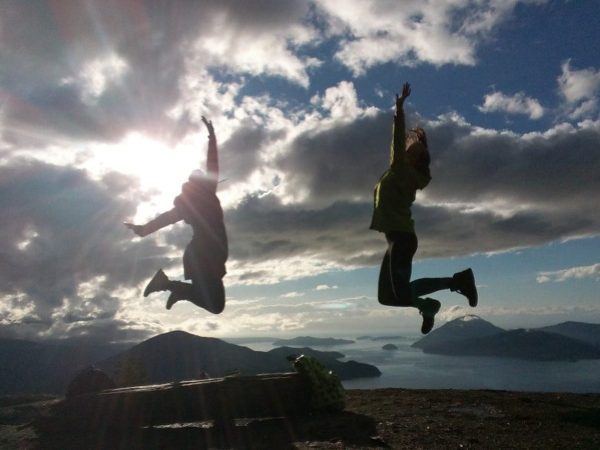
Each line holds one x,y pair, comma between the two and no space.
216,309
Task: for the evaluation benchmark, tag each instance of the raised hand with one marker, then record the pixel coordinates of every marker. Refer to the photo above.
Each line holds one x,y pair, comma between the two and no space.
209,126
405,93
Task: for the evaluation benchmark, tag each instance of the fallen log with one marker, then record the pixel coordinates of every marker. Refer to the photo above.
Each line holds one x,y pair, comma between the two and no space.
221,400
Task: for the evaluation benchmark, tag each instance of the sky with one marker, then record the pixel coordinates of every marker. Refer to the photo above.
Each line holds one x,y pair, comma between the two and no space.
100,107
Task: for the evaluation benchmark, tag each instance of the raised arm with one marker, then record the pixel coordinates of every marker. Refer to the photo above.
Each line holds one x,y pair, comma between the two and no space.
212,157
398,146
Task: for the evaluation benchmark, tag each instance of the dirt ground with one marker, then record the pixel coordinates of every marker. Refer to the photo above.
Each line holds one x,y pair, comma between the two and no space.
373,419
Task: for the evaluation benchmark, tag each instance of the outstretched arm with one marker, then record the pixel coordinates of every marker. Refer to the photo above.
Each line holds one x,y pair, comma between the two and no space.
399,138
212,157
163,220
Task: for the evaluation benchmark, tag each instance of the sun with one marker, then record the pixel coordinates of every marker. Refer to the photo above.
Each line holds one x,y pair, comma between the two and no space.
159,168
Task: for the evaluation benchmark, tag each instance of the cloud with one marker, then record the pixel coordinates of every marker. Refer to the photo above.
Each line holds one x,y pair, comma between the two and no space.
116,78
491,191
135,61
576,273
325,287
577,85
438,33
518,103
579,89
341,101
293,294
66,253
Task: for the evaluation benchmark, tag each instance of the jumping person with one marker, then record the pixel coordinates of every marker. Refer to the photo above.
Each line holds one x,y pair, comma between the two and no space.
204,257
393,196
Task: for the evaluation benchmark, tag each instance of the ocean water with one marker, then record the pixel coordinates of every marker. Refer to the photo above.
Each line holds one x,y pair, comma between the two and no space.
410,368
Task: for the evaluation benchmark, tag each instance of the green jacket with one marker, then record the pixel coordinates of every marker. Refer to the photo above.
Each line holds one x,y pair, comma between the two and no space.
396,189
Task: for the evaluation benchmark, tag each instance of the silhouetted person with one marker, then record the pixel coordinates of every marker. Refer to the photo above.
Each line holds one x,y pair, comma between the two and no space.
394,194
204,257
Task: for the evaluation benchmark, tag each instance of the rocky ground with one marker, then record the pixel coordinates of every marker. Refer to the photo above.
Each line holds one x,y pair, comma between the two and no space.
378,419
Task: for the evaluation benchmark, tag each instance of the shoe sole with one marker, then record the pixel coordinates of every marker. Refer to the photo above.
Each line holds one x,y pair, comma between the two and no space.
472,300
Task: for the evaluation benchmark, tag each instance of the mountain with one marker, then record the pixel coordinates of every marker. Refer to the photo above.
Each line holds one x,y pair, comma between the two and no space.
309,341
179,355
47,367
466,327
476,337
586,332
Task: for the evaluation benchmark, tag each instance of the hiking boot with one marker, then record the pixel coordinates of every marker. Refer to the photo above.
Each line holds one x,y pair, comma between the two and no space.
159,282
464,283
428,308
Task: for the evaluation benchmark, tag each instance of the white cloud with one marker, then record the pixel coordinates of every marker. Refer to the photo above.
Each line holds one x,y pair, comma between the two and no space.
585,109
293,294
96,76
256,43
577,273
577,85
518,103
430,31
341,101
325,287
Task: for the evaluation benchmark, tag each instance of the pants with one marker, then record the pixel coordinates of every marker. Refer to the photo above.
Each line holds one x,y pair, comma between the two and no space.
395,287
206,274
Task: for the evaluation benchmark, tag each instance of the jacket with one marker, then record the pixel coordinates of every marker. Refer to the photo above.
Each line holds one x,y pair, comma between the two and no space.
396,190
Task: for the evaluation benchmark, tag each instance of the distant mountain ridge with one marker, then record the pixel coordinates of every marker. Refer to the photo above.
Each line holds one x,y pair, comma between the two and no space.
466,327
47,367
473,336
586,332
179,355
309,341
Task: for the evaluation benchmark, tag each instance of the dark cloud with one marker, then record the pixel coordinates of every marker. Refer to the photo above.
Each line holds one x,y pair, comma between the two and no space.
559,170
62,232
342,161
262,228
490,192
239,155
45,47
113,330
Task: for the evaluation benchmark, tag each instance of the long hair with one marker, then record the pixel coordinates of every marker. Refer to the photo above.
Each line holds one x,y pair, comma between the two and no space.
417,149
416,134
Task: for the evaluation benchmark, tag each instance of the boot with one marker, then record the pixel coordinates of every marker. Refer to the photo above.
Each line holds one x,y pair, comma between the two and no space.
464,283
159,282
428,308
179,291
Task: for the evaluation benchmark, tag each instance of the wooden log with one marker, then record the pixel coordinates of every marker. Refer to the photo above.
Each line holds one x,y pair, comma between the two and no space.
218,399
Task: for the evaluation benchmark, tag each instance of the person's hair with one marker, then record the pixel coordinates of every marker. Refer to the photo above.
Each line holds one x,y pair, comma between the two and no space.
416,134
417,149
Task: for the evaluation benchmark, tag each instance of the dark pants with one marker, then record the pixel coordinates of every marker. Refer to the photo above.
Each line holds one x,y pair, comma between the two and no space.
205,268
395,287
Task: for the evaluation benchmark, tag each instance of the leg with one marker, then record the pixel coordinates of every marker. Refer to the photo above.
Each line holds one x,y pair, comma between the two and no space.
385,291
206,292
206,288
425,286
402,247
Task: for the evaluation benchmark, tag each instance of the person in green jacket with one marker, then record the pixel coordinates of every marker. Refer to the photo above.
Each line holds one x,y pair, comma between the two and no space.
393,196
205,256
